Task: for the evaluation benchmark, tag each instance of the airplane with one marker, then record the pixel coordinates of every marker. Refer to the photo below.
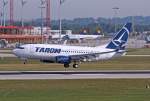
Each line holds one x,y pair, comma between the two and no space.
77,37
64,54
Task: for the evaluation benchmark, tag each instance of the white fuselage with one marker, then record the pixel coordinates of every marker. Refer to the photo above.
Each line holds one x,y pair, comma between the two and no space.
50,52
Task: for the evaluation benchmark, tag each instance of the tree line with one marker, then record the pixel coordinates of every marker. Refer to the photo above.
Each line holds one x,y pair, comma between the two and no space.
105,25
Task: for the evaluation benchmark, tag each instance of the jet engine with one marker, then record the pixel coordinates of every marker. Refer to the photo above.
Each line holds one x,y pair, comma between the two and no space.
63,59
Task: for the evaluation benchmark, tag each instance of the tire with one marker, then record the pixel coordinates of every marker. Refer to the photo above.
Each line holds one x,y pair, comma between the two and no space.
66,65
75,65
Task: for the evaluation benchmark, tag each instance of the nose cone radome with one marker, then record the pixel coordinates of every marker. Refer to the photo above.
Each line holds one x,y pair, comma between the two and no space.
17,52
14,51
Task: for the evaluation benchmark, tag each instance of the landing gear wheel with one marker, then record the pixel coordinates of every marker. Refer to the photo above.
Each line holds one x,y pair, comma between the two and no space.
75,65
66,65
25,61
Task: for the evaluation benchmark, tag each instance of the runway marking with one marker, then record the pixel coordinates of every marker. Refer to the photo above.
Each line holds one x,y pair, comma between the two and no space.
76,72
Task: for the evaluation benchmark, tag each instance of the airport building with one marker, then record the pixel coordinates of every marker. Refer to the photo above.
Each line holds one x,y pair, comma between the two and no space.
14,34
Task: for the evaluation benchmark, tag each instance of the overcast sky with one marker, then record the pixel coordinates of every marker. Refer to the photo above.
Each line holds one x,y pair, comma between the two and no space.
84,8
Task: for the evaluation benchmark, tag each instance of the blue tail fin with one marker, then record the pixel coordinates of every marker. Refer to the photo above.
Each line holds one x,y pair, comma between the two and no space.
121,38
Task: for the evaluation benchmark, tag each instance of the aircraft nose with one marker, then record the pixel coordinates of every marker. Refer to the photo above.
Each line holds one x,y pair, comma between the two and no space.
14,51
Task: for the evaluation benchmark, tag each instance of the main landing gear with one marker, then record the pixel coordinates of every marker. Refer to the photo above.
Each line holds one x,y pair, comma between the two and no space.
66,65
74,65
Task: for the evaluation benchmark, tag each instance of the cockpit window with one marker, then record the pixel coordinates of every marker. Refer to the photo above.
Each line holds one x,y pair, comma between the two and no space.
19,47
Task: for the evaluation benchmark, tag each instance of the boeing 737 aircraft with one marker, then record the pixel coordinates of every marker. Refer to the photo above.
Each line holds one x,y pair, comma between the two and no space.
66,55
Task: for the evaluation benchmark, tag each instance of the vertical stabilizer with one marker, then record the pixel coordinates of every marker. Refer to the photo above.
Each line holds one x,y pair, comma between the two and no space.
121,38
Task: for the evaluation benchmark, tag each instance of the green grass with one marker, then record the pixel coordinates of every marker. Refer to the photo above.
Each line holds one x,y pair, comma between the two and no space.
75,90
123,63
142,51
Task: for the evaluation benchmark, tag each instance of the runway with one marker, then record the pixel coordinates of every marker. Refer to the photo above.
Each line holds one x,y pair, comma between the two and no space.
2,55
50,75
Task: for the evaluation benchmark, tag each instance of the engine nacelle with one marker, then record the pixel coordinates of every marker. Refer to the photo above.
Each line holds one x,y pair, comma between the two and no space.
63,59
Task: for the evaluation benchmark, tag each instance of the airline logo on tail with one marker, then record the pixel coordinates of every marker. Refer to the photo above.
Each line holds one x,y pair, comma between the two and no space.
121,38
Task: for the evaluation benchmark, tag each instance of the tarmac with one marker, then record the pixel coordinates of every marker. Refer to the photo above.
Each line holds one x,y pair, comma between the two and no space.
60,75
6,55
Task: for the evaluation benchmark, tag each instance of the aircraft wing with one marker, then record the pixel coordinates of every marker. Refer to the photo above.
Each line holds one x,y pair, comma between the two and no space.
88,56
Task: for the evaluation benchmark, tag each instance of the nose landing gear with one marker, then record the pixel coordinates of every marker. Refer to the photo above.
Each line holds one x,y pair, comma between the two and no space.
25,61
